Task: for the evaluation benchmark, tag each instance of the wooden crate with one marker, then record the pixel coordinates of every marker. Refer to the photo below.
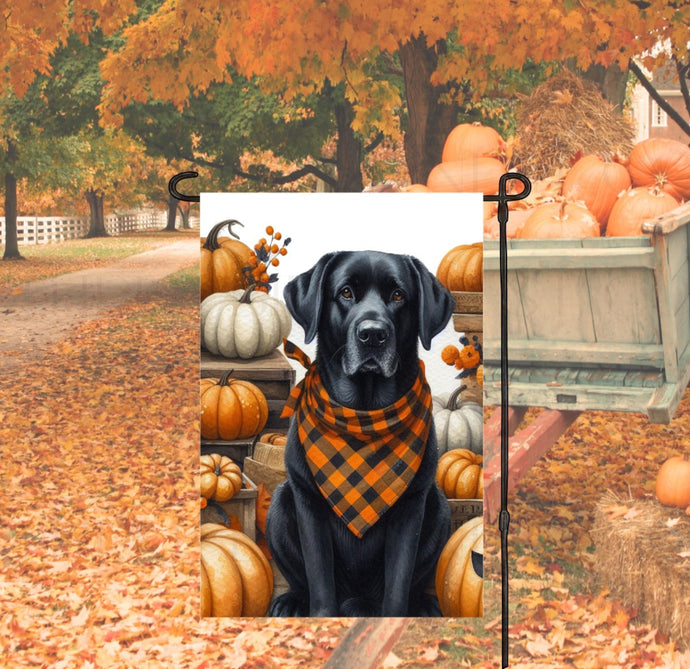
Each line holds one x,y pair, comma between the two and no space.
468,313
261,473
462,510
272,373
237,450
242,506
600,323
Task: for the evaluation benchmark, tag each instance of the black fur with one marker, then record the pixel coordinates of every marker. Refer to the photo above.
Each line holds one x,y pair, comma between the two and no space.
368,309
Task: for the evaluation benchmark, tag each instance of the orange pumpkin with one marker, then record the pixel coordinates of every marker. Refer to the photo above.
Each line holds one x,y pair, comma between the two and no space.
236,577
263,502
459,474
634,207
596,183
469,140
462,268
222,260
664,163
276,438
459,586
559,221
231,409
417,188
516,217
469,175
673,482
220,477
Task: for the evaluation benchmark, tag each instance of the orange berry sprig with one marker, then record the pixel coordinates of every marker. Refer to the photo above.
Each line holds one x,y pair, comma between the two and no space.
468,359
266,255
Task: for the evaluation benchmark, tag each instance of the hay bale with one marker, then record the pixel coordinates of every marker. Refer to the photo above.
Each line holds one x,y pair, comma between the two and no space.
638,556
565,116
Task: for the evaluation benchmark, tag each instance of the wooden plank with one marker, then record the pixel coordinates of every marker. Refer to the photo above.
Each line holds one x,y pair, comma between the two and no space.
468,303
623,305
367,643
525,448
575,397
273,366
556,351
669,331
468,322
492,311
666,398
555,305
669,222
564,258
492,429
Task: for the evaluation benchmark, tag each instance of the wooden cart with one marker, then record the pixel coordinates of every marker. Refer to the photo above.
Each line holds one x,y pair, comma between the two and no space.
593,324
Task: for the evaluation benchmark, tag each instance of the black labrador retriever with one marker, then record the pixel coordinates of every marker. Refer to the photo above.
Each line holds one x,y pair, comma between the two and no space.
368,309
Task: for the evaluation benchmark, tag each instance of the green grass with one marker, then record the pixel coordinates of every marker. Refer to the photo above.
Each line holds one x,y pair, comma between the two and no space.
186,278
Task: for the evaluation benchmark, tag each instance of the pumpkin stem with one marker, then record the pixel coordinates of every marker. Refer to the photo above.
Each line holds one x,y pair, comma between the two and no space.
212,240
452,400
245,299
225,378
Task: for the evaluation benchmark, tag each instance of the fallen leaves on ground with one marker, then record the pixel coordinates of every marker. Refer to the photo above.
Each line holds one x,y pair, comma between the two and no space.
100,551
100,508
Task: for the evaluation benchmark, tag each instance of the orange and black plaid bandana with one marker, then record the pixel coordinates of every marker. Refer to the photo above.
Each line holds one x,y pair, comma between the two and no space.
362,461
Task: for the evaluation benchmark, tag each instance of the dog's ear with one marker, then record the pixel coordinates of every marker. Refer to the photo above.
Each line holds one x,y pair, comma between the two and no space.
304,296
435,303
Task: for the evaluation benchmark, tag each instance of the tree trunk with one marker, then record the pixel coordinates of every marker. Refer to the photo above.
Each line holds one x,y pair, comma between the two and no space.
172,213
348,152
611,81
184,215
11,241
429,121
97,225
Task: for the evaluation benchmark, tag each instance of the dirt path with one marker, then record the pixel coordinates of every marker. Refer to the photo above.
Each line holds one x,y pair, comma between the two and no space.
46,311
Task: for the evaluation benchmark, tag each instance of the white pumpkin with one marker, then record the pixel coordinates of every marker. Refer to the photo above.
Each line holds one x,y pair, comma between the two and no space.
458,424
235,329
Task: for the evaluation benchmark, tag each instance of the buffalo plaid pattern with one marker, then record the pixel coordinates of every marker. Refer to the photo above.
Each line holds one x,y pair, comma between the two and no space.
362,461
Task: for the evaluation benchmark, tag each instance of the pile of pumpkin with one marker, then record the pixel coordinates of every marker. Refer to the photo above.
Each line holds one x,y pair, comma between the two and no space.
593,198
596,197
238,317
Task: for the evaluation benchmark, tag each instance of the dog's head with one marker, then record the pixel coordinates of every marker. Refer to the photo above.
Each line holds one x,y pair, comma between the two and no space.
368,309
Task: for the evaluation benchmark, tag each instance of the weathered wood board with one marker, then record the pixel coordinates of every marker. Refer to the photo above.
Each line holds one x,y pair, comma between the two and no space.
598,323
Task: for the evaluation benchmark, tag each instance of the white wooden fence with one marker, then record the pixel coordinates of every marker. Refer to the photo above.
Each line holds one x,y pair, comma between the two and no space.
49,229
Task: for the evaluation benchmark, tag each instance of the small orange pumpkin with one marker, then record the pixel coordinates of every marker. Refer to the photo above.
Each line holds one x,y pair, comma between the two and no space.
664,163
469,175
673,482
231,408
596,183
220,477
459,474
634,207
559,221
469,140
222,260
459,584
236,577
462,268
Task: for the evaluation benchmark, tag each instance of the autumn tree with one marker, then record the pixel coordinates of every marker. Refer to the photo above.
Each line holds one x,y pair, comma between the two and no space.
442,47
32,33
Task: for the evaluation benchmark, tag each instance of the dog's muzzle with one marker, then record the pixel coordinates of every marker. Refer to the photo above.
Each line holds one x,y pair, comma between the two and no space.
370,348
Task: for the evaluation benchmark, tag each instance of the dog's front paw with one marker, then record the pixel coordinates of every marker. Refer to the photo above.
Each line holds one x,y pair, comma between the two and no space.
289,605
426,606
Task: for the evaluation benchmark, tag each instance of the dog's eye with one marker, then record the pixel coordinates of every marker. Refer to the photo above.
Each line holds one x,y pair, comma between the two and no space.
397,295
347,293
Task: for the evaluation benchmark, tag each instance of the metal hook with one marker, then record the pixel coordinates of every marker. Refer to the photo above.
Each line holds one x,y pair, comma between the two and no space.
503,197
172,187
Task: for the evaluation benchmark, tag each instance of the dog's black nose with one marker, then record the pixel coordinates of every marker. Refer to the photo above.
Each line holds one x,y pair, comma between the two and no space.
372,333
